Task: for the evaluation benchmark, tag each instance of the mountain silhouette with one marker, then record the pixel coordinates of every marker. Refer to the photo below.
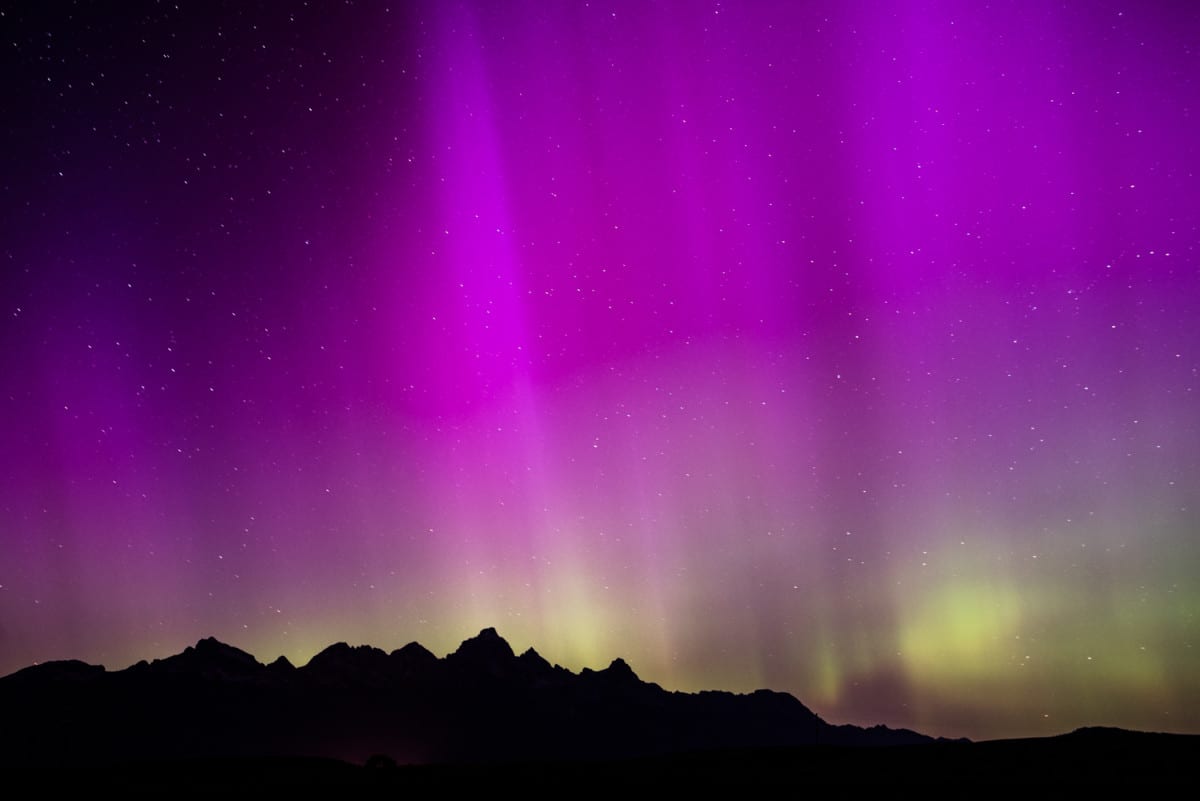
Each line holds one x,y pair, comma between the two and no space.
481,703
210,659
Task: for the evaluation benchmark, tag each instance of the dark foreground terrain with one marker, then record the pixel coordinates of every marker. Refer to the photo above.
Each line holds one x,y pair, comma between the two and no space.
480,704
214,718
1108,758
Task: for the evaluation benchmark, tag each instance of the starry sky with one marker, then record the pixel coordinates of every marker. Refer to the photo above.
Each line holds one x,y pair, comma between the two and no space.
849,349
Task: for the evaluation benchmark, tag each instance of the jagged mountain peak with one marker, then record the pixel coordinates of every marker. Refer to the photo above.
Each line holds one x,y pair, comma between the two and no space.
348,662
212,647
620,669
344,649
532,657
413,652
209,658
486,646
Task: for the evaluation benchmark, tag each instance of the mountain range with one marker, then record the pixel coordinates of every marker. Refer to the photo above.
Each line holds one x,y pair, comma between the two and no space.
480,704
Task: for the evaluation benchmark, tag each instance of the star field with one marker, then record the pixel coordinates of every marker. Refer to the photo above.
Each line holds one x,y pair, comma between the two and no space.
847,349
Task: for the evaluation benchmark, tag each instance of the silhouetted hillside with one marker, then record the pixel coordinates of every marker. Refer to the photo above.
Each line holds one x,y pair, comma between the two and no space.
482,703
214,718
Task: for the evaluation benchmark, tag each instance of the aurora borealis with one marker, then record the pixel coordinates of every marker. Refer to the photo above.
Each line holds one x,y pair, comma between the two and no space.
849,349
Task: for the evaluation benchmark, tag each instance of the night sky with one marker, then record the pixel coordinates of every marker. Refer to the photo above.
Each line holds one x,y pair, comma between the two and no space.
847,349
